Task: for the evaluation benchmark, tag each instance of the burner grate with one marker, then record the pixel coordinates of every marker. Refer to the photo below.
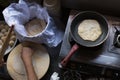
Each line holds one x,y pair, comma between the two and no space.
69,74
117,38
114,45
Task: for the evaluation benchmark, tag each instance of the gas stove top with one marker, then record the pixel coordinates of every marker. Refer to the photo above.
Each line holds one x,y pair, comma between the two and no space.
105,56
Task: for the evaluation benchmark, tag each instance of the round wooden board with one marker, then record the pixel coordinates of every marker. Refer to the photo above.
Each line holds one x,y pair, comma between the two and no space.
40,60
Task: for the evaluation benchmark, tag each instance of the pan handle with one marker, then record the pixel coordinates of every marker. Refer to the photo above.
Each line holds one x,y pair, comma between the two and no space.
69,55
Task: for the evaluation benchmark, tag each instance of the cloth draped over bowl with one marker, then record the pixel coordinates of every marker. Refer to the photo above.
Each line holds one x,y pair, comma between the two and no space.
18,14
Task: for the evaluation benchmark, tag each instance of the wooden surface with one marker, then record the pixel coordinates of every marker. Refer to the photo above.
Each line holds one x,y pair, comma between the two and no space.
40,58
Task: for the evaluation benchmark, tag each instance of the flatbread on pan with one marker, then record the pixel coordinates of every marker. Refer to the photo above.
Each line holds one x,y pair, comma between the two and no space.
89,29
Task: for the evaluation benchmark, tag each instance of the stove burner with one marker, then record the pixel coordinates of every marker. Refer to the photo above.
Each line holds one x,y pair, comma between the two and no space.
89,62
114,39
117,38
71,75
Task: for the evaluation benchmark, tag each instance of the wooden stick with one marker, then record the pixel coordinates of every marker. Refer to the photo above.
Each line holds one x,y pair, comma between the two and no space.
5,44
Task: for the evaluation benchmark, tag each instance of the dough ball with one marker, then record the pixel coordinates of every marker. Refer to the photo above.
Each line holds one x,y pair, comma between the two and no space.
13,33
3,38
6,27
1,25
13,38
11,43
3,30
1,42
0,46
5,34
89,30
1,34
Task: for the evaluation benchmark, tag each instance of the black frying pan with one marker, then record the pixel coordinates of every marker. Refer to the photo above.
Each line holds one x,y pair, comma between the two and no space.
89,15
74,32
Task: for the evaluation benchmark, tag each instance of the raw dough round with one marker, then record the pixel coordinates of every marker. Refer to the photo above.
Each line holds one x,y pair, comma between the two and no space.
35,26
89,30
16,67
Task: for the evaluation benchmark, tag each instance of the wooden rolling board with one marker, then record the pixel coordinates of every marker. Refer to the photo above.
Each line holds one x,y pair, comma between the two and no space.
40,60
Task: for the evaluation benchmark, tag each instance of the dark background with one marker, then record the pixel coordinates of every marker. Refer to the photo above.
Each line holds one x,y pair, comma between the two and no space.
109,7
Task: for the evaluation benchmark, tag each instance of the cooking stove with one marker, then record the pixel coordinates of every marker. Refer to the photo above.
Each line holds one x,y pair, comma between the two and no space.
101,62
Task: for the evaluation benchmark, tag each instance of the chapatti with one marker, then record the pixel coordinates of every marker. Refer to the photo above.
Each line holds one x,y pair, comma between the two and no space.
89,29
